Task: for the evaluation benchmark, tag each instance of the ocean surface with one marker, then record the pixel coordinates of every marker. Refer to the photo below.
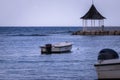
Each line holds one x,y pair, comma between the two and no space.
21,58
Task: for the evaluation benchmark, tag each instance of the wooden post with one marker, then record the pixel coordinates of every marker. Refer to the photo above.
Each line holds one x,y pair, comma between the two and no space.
94,23
103,21
91,23
99,23
83,24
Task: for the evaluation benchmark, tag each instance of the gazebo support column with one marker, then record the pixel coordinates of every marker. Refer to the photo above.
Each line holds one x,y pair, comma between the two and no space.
103,22
91,23
102,26
94,23
85,25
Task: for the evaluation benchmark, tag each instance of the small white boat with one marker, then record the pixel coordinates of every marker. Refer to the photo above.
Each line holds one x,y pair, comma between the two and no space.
108,65
57,47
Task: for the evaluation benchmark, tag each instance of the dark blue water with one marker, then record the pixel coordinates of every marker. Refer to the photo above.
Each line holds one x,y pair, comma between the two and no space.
36,31
20,57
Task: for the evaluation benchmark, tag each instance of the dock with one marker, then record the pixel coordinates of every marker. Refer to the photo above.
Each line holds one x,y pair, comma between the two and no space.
98,32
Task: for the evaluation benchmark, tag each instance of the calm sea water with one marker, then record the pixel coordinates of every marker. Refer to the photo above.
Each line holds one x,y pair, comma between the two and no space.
20,57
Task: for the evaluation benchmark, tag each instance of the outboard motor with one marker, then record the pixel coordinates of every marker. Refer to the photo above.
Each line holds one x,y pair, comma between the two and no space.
48,48
106,54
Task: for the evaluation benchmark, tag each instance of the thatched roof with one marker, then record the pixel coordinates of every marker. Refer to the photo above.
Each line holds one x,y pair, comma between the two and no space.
93,14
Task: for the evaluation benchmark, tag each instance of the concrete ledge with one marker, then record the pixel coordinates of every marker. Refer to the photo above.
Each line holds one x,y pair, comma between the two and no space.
98,32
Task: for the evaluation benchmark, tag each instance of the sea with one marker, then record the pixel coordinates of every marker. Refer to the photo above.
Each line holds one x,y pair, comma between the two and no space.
21,58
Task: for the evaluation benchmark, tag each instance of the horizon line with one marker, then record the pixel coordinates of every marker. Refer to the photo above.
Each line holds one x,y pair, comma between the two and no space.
58,26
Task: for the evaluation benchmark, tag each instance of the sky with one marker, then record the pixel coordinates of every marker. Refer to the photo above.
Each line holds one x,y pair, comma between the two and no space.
55,12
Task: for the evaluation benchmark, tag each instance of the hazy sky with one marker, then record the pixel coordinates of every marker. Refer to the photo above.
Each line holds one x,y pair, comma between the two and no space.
55,12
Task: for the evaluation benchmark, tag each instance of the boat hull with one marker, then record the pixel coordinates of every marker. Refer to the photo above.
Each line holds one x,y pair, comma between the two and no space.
108,70
57,49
